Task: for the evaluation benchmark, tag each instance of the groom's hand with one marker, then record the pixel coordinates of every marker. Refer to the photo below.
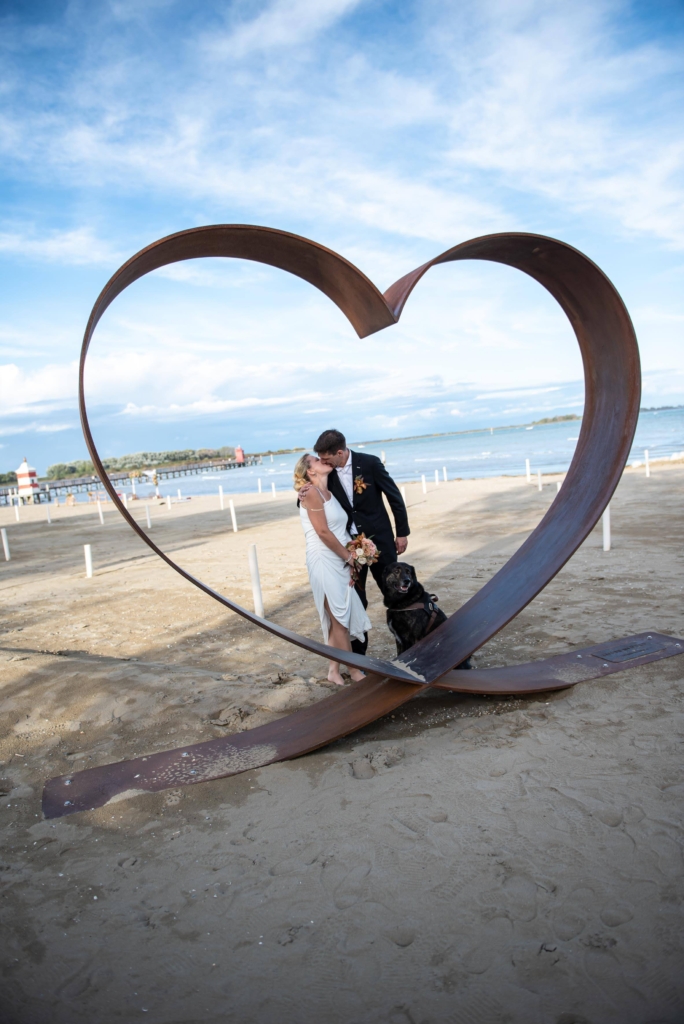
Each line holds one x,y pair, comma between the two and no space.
301,494
401,543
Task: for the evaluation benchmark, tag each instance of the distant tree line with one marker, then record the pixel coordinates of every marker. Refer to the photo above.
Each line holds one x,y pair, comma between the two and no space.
140,460
556,419
8,478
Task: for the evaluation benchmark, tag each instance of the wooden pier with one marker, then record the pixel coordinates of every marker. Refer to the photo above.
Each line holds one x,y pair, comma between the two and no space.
50,489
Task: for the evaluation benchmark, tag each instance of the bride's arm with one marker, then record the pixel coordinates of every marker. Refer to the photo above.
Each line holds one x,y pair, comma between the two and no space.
313,505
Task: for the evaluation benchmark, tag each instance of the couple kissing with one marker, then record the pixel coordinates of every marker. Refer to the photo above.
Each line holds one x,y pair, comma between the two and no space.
348,532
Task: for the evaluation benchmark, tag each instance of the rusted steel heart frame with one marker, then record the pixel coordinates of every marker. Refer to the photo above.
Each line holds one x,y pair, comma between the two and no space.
612,393
612,381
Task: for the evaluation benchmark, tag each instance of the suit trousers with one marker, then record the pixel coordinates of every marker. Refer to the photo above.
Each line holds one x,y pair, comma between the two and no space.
361,646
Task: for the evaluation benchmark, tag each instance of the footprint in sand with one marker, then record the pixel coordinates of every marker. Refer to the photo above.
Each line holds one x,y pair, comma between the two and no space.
298,864
567,924
361,768
127,862
378,760
571,918
668,853
614,916
401,935
517,898
495,936
346,882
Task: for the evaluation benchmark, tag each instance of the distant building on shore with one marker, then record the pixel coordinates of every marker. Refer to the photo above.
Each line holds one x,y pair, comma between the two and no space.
239,454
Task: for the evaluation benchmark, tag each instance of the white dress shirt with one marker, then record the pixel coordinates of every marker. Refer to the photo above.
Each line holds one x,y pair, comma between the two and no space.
347,481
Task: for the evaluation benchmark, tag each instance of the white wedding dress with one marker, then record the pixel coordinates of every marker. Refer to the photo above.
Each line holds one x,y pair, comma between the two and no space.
329,576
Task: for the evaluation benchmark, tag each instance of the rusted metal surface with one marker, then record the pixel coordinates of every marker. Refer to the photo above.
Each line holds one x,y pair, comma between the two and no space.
612,393
346,711
564,670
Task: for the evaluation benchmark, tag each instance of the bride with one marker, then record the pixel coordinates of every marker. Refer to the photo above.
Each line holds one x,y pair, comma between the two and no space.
327,560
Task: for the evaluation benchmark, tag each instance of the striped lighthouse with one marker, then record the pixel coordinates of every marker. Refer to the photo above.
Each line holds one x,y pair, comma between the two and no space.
27,481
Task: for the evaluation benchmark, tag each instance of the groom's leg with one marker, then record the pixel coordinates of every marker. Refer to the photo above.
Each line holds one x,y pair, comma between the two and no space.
379,567
361,646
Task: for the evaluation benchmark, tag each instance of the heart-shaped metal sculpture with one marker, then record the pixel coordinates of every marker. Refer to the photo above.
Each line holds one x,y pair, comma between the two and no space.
612,382
612,393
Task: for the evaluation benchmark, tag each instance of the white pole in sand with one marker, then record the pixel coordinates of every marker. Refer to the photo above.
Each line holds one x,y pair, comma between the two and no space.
49,519
527,471
168,502
558,485
16,511
179,495
133,486
424,484
232,514
221,497
606,528
88,560
436,478
445,474
256,582
403,494
539,482
99,512
147,513
271,458
125,499
259,483
273,490
5,544
382,458
648,465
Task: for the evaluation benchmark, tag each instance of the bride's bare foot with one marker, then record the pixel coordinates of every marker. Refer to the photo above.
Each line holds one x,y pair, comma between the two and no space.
357,675
334,675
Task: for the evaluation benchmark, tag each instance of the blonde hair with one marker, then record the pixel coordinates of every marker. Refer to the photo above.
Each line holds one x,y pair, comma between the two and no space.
301,472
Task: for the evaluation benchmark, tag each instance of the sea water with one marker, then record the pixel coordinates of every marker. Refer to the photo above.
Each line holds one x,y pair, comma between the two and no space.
497,451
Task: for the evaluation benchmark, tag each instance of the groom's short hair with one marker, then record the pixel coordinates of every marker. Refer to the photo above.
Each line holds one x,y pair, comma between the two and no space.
330,442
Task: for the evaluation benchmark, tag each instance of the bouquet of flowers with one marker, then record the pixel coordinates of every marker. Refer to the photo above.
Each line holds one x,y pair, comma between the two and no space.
363,552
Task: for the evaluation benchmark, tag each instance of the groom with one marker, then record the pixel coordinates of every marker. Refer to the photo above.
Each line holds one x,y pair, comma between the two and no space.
359,481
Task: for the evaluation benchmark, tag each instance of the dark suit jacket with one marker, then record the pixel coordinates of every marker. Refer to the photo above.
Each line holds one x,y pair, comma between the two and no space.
368,511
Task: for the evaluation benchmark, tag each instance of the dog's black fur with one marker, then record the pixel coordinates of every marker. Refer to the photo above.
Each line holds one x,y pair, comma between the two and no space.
401,589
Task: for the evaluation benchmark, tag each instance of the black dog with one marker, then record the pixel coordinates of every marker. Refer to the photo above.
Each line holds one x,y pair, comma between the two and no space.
412,613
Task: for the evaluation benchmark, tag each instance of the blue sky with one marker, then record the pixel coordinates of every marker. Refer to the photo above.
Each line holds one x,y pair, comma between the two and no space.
387,131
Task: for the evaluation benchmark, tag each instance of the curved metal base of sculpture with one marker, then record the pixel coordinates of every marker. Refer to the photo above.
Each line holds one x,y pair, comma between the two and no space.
612,394
330,719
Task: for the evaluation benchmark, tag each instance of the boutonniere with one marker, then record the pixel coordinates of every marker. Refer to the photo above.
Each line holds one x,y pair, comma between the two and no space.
359,484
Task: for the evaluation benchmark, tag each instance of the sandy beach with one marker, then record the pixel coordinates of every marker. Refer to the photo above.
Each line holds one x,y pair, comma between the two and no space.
464,860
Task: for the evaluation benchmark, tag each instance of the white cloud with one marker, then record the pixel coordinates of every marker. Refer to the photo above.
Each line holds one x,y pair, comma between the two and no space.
283,24
35,427
515,393
558,111
51,385
78,246
210,407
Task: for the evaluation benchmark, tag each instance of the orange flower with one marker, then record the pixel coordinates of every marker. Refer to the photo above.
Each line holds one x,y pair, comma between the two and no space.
359,485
